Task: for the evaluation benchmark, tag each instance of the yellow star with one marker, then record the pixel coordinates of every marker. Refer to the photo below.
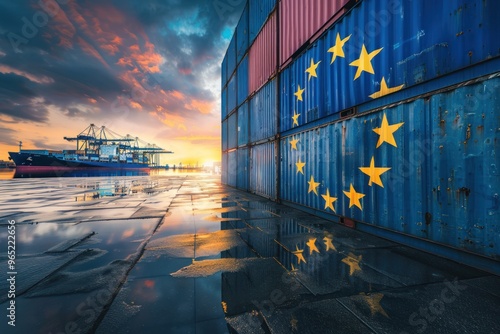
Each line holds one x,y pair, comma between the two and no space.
329,200
354,197
299,255
373,301
353,262
374,173
312,69
313,185
364,61
329,244
295,118
299,93
386,132
312,246
384,90
337,49
294,142
293,268
300,167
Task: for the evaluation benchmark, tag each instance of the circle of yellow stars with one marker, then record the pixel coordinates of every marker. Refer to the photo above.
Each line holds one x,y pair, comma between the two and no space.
386,135
385,131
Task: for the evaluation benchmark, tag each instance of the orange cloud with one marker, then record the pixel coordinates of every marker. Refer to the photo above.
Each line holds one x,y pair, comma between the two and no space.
135,105
204,107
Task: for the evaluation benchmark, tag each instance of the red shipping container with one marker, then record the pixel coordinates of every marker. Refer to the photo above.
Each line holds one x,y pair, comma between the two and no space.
300,20
262,58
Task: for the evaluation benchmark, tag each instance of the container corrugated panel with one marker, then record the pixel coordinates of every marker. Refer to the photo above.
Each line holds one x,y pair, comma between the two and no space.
224,135
224,168
231,57
242,77
232,162
231,94
259,10
242,35
232,131
263,116
243,124
296,112
223,71
223,103
262,62
242,169
426,168
300,20
380,47
263,170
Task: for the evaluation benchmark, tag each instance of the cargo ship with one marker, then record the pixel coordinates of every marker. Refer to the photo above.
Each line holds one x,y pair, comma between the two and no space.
96,148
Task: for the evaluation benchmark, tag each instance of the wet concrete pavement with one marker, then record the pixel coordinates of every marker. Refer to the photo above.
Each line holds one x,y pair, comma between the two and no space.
181,253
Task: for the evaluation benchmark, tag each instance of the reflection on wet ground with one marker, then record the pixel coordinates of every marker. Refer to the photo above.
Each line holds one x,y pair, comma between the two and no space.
183,254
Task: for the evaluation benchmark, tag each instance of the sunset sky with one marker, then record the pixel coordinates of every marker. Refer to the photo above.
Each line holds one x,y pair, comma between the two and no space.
146,68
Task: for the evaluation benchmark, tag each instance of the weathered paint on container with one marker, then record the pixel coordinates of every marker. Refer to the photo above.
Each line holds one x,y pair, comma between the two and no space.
263,169
231,94
242,35
223,103
242,169
262,62
232,133
232,162
259,10
263,113
224,135
300,20
223,71
312,105
231,57
443,182
243,124
242,77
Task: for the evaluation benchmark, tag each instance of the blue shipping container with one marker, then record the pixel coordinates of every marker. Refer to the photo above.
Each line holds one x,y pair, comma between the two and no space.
224,135
440,152
231,94
381,47
242,169
263,170
232,131
243,124
232,162
242,77
298,109
231,57
224,168
223,72
242,33
258,14
223,103
263,114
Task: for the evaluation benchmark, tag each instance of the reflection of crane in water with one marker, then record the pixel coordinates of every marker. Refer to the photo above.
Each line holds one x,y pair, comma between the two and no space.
92,138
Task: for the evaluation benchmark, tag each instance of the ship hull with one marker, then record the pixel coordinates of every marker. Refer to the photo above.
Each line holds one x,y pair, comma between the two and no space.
46,163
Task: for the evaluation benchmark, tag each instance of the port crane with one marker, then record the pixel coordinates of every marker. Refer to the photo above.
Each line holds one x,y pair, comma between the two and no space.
93,137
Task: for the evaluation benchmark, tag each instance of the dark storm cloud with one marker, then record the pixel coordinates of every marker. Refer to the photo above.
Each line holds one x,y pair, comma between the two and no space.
18,99
73,60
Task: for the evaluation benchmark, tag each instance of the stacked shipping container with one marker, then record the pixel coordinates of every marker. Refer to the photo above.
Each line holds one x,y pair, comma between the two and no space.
341,107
